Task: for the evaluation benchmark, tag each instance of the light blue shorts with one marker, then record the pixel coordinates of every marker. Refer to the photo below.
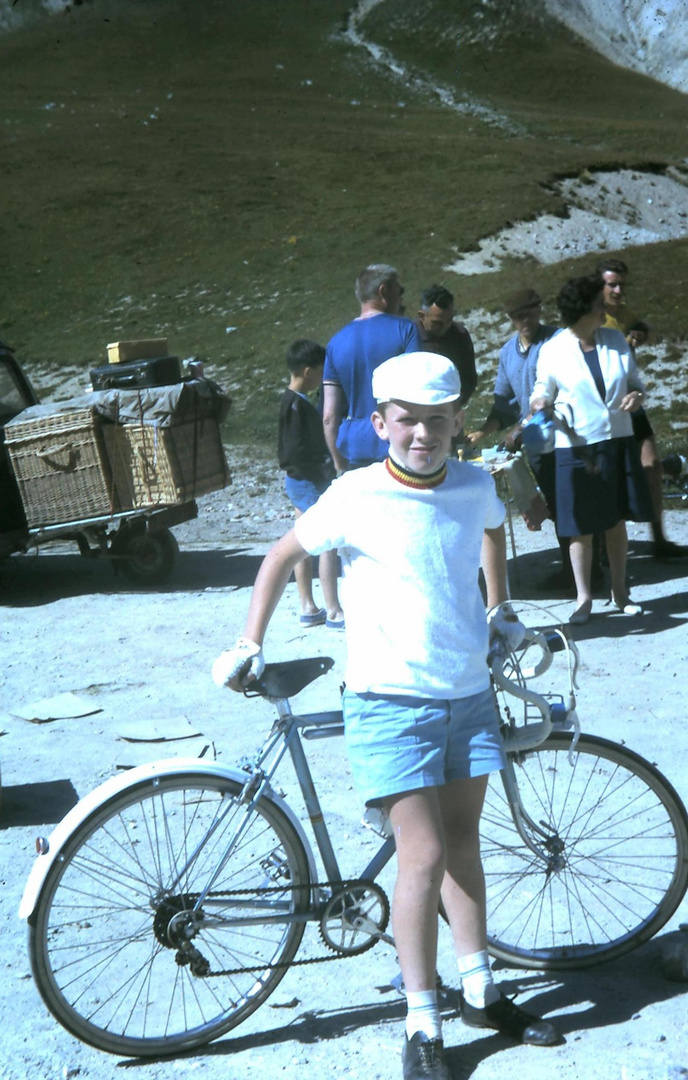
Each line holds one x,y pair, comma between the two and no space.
303,493
398,744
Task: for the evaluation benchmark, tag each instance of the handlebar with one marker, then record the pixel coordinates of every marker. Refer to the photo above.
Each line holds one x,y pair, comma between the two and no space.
531,735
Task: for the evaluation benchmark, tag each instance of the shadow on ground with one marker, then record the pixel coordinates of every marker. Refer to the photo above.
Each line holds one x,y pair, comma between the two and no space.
611,994
32,580
528,571
36,804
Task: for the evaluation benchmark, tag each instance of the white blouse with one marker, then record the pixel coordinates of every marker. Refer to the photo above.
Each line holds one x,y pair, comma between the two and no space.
566,382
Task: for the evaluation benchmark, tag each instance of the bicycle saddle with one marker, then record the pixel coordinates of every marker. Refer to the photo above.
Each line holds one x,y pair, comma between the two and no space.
289,678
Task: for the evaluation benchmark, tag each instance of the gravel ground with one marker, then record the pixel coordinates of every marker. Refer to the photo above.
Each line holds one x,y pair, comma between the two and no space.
143,658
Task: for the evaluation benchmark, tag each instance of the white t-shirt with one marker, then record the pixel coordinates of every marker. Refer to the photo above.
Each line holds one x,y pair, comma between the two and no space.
415,618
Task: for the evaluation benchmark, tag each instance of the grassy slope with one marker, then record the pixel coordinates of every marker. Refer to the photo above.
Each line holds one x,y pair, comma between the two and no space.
253,198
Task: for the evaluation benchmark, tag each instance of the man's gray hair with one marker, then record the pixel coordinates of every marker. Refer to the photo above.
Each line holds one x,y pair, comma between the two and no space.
370,280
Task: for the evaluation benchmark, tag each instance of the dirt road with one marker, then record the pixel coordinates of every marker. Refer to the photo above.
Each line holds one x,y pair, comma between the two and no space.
142,659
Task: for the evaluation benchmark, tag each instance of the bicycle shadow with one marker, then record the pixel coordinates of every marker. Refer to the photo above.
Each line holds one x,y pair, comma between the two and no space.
310,1027
614,993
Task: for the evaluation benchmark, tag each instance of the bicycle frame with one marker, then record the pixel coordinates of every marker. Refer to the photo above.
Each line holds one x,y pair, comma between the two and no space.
284,738
136,955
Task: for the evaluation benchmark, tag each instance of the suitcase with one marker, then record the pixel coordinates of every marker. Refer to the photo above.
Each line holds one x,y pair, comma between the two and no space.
137,374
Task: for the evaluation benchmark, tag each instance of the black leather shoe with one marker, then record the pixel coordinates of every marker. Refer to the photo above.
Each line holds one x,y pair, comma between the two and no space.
506,1018
423,1058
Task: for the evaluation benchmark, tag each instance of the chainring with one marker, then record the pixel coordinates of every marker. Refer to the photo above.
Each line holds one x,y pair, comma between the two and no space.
355,917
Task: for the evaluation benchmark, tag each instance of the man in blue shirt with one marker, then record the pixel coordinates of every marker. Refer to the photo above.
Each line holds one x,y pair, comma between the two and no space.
517,367
378,333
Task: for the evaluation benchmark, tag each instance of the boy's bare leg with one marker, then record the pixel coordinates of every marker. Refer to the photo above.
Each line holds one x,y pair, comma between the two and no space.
463,887
303,573
463,895
417,823
328,569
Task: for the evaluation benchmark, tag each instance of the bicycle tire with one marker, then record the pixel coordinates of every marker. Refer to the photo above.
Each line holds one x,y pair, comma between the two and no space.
623,870
98,943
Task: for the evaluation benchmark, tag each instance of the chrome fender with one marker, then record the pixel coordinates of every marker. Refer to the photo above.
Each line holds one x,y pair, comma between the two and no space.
117,784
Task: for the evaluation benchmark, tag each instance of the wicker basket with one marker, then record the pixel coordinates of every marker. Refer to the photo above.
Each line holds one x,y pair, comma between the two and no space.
61,467
160,466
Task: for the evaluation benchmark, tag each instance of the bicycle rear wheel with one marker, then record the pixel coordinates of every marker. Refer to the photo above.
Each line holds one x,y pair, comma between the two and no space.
616,861
110,939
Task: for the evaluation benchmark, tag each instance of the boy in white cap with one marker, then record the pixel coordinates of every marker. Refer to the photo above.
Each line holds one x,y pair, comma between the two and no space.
420,721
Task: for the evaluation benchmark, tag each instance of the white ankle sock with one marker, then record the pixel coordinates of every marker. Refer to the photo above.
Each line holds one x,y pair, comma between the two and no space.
477,984
423,1014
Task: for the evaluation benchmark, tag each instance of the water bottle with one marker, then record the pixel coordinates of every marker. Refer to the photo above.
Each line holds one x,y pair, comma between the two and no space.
538,434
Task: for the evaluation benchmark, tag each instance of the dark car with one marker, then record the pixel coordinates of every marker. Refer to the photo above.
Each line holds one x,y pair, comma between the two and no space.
16,394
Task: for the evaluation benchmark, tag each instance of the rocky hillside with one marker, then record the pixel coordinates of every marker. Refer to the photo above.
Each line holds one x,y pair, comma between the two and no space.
651,38
645,36
217,173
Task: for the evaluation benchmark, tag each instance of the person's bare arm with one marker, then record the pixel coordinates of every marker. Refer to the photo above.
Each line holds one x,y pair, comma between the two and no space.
240,665
274,573
334,411
474,437
493,562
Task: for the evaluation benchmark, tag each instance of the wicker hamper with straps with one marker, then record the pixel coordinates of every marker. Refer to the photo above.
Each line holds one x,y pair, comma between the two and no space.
61,466
160,466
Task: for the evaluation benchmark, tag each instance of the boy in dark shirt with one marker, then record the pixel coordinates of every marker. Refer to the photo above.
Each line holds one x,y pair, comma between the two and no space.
304,456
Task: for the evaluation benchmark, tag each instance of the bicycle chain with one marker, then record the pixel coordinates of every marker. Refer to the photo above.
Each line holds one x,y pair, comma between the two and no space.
337,955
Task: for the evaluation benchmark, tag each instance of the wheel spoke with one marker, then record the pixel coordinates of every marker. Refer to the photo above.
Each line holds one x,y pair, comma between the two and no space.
614,855
105,947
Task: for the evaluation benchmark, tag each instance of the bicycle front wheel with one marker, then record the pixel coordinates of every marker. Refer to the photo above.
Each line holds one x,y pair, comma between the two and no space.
614,862
122,953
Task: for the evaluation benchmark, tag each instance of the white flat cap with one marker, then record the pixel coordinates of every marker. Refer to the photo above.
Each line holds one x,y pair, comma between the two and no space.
421,378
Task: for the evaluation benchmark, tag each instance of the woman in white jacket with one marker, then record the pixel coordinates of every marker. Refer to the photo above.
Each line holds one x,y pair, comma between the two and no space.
588,380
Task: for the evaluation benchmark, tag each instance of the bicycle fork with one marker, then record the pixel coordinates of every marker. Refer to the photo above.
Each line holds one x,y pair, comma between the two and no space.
551,848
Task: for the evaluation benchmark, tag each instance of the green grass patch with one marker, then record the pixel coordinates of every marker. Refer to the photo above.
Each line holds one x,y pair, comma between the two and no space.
178,168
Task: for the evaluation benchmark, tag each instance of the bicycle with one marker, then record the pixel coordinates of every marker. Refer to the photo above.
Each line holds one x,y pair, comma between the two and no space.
169,903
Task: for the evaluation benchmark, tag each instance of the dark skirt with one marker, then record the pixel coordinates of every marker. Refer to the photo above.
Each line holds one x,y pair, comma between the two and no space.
599,485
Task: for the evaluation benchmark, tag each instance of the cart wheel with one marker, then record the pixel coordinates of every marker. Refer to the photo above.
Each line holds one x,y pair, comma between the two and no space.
147,558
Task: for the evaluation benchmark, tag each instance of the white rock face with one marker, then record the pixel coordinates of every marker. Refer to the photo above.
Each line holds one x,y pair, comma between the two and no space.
608,211
14,15
649,37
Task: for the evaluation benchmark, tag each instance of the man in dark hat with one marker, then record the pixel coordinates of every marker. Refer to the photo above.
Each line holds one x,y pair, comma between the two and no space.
517,367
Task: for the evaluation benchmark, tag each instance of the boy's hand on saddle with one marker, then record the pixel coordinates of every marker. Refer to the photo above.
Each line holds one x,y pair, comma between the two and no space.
238,667
505,626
